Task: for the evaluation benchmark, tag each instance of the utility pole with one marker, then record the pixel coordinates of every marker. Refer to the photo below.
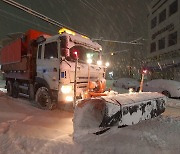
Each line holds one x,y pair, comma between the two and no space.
75,80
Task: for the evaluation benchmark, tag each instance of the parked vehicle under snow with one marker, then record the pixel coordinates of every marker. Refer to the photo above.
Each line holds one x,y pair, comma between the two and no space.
169,88
126,83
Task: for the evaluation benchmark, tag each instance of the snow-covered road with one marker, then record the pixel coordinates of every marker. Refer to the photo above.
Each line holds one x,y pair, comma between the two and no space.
27,129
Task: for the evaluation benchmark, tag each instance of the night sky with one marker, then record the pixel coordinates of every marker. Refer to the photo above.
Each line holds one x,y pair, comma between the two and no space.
123,20
117,19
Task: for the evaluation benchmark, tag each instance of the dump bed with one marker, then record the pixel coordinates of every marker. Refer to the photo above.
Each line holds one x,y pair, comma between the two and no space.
18,59
11,53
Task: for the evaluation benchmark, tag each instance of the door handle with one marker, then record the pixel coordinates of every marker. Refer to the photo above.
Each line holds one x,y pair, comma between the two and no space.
54,69
44,70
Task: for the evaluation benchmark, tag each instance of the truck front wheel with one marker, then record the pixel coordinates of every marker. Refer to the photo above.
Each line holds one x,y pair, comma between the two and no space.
43,98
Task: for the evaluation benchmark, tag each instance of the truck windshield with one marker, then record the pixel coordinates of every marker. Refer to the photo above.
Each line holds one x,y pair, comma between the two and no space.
83,54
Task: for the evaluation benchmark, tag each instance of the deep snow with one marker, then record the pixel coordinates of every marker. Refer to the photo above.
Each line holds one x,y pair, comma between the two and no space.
26,129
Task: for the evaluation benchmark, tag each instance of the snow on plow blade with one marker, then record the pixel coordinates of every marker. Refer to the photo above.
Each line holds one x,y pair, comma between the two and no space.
117,110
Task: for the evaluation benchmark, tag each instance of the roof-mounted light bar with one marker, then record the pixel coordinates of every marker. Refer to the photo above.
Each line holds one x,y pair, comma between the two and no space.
68,31
65,30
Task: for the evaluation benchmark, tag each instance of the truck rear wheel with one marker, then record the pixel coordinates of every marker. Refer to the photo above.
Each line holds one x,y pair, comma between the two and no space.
15,89
166,93
43,99
9,88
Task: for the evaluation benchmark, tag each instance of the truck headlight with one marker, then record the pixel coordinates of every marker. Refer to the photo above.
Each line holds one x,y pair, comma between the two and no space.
66,89
69,98
99,62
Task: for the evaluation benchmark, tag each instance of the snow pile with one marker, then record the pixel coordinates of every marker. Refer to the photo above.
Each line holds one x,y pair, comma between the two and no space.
129,98
2,91
173,103
18,144
4,127
87,118
159,135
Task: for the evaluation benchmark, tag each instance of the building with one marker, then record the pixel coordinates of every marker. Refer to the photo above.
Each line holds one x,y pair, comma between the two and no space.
164,39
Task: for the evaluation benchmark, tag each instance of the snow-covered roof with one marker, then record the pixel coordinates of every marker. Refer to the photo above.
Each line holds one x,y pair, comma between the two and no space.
130,98
166,82
78,39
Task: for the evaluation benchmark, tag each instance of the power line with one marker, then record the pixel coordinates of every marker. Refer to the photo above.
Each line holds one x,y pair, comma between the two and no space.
140,38
116,52
91,7
114,41
56,23
37,14
22,20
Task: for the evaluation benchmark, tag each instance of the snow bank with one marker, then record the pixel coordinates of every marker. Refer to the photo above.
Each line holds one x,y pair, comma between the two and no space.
4,126
173,103
2,91
11,143
160,135
87,118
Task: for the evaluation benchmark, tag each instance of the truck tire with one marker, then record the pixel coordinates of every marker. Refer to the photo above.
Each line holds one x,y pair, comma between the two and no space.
166,93
15,89
43,99
9,88
31,92
138,89
123,86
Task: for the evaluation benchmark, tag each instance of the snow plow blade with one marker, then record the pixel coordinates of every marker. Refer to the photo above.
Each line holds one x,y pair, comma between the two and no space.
117,110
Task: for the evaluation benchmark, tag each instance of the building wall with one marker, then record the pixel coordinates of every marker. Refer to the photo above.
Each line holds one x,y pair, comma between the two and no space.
164,39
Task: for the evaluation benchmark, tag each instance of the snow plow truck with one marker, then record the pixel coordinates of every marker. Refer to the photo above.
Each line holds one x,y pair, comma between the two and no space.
53,71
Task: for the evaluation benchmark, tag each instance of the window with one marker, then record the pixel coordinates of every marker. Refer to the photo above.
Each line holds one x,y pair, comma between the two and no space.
173,7
162,16
161,43
153,47
83,53
172,39
153,22
39,51
51,50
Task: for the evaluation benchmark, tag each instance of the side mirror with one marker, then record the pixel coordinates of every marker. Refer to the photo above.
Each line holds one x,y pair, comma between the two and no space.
40,39
62,58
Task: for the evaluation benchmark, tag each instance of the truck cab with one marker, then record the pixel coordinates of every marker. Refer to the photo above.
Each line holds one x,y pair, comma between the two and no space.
56,59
